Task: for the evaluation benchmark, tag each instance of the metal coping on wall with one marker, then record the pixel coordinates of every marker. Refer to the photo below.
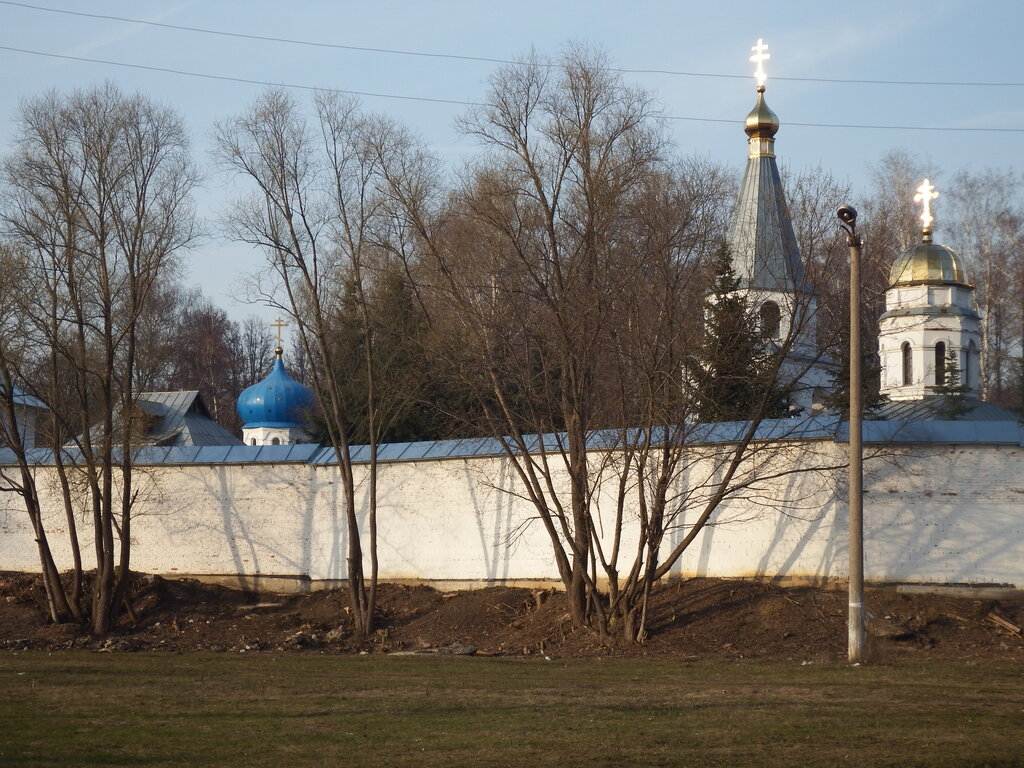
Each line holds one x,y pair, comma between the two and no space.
811,428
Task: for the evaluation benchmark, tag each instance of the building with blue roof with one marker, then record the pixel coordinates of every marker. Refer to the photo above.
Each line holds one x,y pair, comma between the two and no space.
275,411
26,408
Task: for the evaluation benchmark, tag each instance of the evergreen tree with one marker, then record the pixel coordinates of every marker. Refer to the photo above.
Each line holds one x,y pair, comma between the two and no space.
953,391
419,402
732,372
870,380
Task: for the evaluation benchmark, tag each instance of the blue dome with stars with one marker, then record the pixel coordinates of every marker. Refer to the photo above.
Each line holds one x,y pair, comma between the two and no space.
277,401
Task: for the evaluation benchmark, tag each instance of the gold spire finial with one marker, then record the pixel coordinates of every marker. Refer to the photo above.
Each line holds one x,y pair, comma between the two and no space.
760,56
761,123
925,194
279,324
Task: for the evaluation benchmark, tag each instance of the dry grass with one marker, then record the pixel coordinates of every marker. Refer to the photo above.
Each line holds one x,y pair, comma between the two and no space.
94,709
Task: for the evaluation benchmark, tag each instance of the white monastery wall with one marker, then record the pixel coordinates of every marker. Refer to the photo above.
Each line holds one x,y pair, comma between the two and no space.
933,514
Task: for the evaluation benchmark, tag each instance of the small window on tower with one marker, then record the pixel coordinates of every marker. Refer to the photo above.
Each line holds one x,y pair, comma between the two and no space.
770,320
940,364
908,365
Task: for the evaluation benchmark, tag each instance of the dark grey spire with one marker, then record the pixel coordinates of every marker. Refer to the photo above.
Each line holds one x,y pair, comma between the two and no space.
765,255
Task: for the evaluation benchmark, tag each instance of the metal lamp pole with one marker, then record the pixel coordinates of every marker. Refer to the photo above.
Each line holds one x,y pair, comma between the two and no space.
855,645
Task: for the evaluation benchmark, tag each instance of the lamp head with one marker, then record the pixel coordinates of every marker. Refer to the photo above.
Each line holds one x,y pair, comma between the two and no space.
847,215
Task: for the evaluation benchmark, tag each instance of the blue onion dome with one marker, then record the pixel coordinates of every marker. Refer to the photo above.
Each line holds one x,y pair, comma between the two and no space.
277,401
928,262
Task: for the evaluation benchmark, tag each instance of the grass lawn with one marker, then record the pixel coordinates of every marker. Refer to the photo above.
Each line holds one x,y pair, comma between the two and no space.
91,709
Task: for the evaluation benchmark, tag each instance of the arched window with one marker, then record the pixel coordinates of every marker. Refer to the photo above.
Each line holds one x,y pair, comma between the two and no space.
908,365
940,364
276,441
970,375
770,320
252,441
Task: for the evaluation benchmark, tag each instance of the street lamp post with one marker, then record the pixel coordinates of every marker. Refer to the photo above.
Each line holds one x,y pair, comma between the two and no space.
855,646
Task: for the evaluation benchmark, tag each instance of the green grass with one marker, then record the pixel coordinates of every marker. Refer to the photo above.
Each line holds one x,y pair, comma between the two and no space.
85,709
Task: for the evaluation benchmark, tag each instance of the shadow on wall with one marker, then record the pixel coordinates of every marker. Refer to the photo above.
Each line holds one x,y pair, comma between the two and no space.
777,523
951,515
932,514
446,520
259,539
497,546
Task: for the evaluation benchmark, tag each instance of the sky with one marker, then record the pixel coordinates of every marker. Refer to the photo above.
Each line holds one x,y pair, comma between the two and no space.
924,51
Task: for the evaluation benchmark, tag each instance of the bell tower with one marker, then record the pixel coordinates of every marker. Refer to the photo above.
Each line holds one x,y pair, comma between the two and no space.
766,258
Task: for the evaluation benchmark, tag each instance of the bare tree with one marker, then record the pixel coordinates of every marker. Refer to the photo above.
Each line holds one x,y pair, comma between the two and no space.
97,201
985,220
318,213
207,356
15,357
257,347
565,279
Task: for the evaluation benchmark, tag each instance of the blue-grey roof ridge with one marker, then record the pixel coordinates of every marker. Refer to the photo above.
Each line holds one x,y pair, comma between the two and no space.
998,427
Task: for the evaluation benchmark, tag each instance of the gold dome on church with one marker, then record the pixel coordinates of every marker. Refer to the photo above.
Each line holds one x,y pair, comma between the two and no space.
928,262
761,123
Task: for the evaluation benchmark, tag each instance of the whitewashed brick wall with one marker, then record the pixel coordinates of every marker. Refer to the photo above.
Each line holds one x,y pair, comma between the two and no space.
933,514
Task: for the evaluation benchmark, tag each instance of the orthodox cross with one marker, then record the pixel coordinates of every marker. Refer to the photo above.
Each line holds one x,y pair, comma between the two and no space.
279,324
925,194
760,56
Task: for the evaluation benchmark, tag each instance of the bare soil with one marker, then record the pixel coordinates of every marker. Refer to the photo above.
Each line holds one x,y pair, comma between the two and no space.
694,618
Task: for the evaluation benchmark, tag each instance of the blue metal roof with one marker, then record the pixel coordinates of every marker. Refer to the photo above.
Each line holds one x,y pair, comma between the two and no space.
991,431
277,401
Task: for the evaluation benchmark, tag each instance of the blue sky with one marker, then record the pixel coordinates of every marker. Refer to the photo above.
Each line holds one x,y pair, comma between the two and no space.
908,40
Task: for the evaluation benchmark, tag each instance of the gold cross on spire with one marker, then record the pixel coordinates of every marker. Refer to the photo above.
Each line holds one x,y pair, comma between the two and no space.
760,56
279,324
925,194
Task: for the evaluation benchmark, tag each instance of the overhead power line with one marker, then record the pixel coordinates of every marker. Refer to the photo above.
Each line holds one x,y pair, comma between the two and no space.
490,60
228,78
372,94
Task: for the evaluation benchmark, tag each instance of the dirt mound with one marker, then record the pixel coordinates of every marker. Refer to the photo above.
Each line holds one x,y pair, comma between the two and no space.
689,619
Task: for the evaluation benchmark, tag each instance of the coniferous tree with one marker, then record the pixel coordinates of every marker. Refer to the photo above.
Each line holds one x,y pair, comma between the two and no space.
733,370
838,399
422,402
953,390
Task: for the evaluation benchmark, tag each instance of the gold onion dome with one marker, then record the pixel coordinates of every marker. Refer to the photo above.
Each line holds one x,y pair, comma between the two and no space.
761,123
928,262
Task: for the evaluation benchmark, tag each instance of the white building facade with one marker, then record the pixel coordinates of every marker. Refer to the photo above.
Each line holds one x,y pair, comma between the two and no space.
929,315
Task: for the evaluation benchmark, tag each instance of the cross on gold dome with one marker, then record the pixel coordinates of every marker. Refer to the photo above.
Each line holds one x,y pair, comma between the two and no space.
925,194
760,56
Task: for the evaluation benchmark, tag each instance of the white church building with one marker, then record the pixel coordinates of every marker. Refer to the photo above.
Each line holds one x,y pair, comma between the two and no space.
929,315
